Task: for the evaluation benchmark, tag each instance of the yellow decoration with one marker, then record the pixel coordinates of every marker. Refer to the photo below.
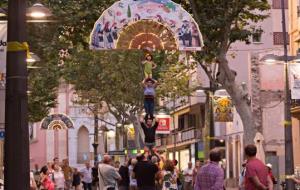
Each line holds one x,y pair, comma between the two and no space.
17,46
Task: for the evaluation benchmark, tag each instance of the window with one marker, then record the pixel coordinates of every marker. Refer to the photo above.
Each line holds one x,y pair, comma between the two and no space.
256,36
192,120
278,38
277,4
181,122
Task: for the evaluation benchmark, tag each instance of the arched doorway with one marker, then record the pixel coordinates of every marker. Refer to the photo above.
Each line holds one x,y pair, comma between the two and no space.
83,151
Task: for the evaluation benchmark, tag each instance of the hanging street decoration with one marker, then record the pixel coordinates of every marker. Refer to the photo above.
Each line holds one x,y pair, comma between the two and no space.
170,17
57,122
223,109
295,80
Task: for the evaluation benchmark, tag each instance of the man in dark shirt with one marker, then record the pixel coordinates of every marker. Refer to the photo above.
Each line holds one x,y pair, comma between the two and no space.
149,131
124,173
145,173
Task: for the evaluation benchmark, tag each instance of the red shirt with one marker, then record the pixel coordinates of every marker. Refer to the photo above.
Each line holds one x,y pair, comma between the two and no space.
255,167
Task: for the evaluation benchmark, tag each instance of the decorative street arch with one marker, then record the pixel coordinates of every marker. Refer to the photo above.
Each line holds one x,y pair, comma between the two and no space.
57,122
144,24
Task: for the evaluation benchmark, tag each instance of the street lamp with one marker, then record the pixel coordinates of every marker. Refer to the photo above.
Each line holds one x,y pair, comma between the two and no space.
16,147
3,12
32,58
38,11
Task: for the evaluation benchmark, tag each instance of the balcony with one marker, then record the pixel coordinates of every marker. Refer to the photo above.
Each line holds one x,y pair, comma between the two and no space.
180,137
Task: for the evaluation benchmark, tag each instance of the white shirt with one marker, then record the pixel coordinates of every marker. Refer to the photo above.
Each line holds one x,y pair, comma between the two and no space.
59,179
189,177
87,175
133,181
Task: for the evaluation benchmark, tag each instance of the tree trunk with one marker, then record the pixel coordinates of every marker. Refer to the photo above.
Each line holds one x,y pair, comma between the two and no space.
117,141
139,134
239,97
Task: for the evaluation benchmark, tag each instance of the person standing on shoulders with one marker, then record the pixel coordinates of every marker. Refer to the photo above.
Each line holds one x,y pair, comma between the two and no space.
86,174
188,177
108,175
211,175
256,176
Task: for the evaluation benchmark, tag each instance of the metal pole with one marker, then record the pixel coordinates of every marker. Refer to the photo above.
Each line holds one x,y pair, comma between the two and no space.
96,139
289,156
16,149
212,142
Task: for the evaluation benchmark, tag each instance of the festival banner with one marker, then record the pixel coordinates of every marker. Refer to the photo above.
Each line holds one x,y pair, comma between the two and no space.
164,122
124,13
295,80
223,109
3,45
57,122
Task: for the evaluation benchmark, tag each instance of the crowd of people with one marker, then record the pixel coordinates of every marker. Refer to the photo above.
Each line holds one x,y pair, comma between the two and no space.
152,171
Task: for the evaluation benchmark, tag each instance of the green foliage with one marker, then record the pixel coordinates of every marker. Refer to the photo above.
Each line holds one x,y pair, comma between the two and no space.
225,22
111,76
71,31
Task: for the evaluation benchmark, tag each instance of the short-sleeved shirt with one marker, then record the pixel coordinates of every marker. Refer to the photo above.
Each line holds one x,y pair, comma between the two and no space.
108,176
188,174
87,175
145,174
210,177
255,167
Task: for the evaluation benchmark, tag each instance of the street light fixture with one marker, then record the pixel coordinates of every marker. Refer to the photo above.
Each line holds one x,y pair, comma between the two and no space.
38,11
32,58
3,12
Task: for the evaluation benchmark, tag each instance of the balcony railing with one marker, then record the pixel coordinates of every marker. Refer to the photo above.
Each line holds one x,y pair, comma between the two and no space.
180,137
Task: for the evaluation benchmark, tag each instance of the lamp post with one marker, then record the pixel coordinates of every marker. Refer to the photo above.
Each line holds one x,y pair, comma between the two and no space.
16,148
96,139
16,156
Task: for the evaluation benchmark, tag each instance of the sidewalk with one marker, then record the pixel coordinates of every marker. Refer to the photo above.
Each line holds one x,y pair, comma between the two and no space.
230,188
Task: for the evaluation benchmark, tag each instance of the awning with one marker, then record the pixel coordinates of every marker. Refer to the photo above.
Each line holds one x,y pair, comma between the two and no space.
296,112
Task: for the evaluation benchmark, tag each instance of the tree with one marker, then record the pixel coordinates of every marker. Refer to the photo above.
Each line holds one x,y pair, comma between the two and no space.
223,23
71,31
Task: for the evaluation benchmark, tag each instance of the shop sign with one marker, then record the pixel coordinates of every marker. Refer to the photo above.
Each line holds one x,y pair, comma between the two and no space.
164,122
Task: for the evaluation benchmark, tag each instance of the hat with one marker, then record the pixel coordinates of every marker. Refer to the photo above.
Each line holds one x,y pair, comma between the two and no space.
269,165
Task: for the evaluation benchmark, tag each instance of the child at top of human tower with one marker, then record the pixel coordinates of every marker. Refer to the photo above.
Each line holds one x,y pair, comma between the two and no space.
148,66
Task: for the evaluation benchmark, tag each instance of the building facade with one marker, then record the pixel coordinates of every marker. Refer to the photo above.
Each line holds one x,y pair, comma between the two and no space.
73,143
294,28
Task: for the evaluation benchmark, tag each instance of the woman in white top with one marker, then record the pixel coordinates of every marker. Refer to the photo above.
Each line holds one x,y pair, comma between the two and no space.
59,179
169,176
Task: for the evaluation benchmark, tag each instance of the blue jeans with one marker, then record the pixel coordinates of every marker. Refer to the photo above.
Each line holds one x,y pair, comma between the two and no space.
149,106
